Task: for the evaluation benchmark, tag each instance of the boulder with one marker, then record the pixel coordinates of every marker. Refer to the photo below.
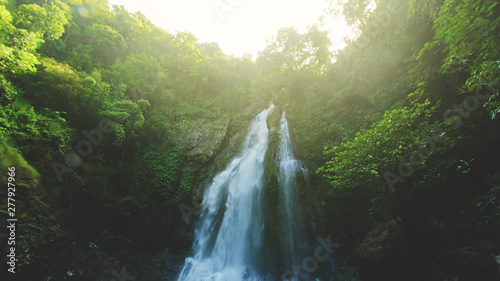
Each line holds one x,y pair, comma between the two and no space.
380,242
201,140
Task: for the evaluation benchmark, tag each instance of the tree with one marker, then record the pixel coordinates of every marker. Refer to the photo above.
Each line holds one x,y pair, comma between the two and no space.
21,35
389,152
290,58
468,34
107,44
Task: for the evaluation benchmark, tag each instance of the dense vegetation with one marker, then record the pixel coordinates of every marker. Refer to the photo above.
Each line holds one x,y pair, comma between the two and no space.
111,121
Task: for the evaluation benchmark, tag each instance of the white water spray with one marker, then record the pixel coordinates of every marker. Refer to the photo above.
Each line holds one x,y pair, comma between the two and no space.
230,236
294,242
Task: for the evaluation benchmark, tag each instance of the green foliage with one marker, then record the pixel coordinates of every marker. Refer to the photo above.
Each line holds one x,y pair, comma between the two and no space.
487,209
127,118
450,46
40,136
290,58
159,168
65,66
142,74
78,64
48,20
106,43
356,12
57,86
468,33
290,51
12,158
20,121
364,160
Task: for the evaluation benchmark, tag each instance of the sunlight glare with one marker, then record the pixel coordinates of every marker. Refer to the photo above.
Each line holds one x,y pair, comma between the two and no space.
239,26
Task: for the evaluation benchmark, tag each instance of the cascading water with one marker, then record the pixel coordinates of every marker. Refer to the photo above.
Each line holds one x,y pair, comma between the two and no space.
294,241
230,236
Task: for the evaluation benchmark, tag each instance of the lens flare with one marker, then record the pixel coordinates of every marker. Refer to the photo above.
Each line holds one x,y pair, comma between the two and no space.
83,11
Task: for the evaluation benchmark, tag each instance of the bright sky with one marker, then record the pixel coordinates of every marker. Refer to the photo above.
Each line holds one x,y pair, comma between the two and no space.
238,26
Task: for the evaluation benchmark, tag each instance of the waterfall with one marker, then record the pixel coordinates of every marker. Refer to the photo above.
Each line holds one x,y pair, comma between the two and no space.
229,238
293,234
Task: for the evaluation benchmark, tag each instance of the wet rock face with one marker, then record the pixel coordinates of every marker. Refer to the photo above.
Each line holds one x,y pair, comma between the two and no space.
253,108
273,120
201,140
379,242
347,273
166,265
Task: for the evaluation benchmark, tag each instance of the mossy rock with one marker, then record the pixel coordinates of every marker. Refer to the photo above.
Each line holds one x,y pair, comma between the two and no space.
201,139
273,119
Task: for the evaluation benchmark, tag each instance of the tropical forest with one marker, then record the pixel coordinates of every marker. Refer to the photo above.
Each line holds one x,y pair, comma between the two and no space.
131,152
